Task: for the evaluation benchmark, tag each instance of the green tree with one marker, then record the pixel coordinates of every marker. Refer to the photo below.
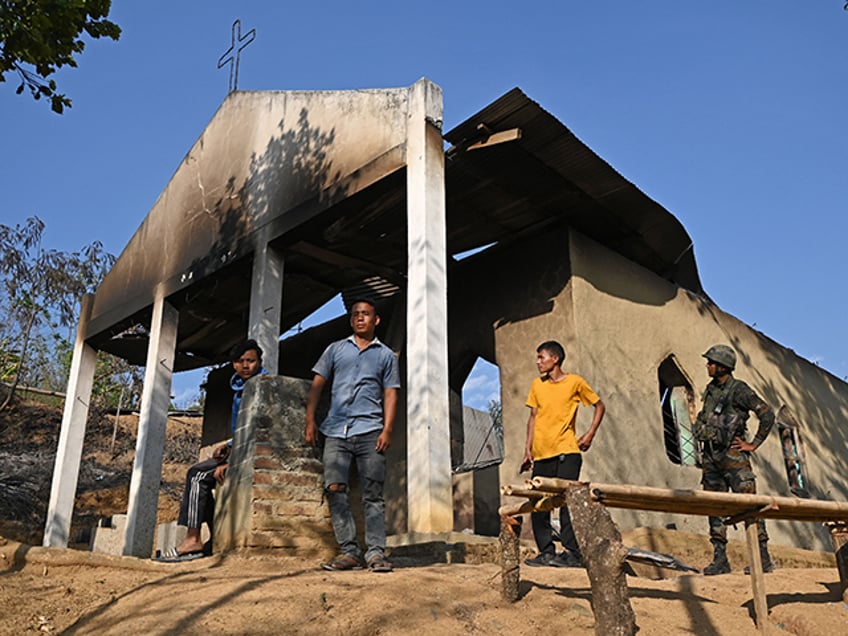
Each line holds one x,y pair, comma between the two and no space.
44,35
41,289
117,383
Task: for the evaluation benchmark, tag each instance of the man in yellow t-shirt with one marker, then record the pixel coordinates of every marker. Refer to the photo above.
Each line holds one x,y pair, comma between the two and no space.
553,448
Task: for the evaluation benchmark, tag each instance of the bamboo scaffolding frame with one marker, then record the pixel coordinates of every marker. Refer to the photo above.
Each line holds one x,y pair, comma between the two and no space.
530,493
683,501
547,493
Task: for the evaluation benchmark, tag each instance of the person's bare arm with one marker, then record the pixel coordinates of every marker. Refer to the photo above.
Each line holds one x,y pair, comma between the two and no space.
390,397
310,434
527,461
585,441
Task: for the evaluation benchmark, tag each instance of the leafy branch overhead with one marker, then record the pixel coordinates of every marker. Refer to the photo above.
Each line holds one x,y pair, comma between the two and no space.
37,37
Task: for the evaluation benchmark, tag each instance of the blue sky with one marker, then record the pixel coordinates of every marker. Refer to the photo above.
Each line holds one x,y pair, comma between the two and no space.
730,114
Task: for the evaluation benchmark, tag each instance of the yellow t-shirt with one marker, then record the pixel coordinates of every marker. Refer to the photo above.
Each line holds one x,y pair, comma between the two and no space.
556,406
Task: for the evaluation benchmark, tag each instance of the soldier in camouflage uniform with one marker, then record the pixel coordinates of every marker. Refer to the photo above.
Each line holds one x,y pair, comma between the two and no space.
721,427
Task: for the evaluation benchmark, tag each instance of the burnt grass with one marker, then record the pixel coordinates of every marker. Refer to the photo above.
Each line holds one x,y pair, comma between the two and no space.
29,435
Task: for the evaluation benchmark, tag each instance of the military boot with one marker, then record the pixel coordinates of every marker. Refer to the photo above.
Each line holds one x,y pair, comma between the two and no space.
765,557
768,564
720,564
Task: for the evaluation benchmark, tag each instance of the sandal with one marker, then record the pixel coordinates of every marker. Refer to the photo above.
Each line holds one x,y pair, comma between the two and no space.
172,556
343,562
379,563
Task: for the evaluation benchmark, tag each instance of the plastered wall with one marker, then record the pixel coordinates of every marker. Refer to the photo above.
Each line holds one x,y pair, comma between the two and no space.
618,322
261,155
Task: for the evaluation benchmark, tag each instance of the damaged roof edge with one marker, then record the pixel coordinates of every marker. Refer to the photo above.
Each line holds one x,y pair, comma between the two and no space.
553,143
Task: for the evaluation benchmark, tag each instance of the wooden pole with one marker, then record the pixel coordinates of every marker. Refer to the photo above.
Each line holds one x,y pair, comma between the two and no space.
603,555
708,503
529,493
758,584
839,537
117,419
32,389
539,505
546,493
510,558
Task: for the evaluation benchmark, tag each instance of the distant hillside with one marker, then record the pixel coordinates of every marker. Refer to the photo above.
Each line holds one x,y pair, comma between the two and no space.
29,433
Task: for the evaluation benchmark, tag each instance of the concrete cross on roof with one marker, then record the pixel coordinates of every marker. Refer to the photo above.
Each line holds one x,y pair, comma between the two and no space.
232,55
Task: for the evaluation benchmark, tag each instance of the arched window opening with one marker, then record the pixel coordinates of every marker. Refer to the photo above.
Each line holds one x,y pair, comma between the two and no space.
479,438
677,400
790,443
481,417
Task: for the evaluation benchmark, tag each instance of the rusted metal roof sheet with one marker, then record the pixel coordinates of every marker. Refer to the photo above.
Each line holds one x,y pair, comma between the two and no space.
559,179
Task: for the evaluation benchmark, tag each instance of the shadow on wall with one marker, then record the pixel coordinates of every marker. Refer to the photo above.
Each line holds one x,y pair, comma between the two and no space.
502,285
818,401
514,282
396,491
293,169
617,283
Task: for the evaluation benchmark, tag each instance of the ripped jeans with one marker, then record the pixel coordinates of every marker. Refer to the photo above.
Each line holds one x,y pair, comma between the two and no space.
339,455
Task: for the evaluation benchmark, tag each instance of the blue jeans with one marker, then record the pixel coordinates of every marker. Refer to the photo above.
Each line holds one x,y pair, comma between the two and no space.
339,455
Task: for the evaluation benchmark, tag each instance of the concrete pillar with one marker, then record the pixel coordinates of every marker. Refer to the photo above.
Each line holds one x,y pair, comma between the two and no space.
266,300
69,451
428,417
149,448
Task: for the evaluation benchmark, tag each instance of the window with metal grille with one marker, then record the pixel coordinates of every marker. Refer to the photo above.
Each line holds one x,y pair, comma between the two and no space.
677,402
790,442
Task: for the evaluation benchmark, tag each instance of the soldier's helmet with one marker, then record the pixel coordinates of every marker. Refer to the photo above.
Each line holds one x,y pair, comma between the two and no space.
723,355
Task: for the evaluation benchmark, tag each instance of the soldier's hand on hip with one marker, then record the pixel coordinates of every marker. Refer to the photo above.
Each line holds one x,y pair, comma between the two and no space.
741,445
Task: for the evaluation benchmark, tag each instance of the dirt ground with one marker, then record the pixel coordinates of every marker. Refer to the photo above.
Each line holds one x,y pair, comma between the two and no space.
64,591
73,591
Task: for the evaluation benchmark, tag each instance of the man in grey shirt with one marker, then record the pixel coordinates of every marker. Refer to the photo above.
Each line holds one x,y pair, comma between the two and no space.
365,379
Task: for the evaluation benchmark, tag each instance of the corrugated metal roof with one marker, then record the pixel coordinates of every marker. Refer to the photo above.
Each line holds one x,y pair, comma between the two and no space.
482,442
549,175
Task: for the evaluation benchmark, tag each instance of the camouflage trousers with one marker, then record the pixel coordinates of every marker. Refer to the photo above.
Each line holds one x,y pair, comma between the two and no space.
730,470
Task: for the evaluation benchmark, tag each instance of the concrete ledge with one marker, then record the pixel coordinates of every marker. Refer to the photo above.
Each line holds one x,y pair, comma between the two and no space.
424,548
107,536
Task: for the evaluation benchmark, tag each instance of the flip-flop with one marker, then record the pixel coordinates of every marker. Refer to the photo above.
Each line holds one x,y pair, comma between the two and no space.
379,563
170,553
176,557
343,562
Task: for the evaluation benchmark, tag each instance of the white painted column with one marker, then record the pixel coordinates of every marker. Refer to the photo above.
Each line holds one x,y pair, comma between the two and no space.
153,417
266,300
428,416
69,451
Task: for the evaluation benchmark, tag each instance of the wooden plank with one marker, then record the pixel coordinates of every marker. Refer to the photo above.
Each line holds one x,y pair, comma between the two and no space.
758,584
544,493
708,503
513,134
516,491
539,505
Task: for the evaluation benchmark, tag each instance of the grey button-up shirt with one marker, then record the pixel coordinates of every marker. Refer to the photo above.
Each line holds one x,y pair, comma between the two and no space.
359,381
